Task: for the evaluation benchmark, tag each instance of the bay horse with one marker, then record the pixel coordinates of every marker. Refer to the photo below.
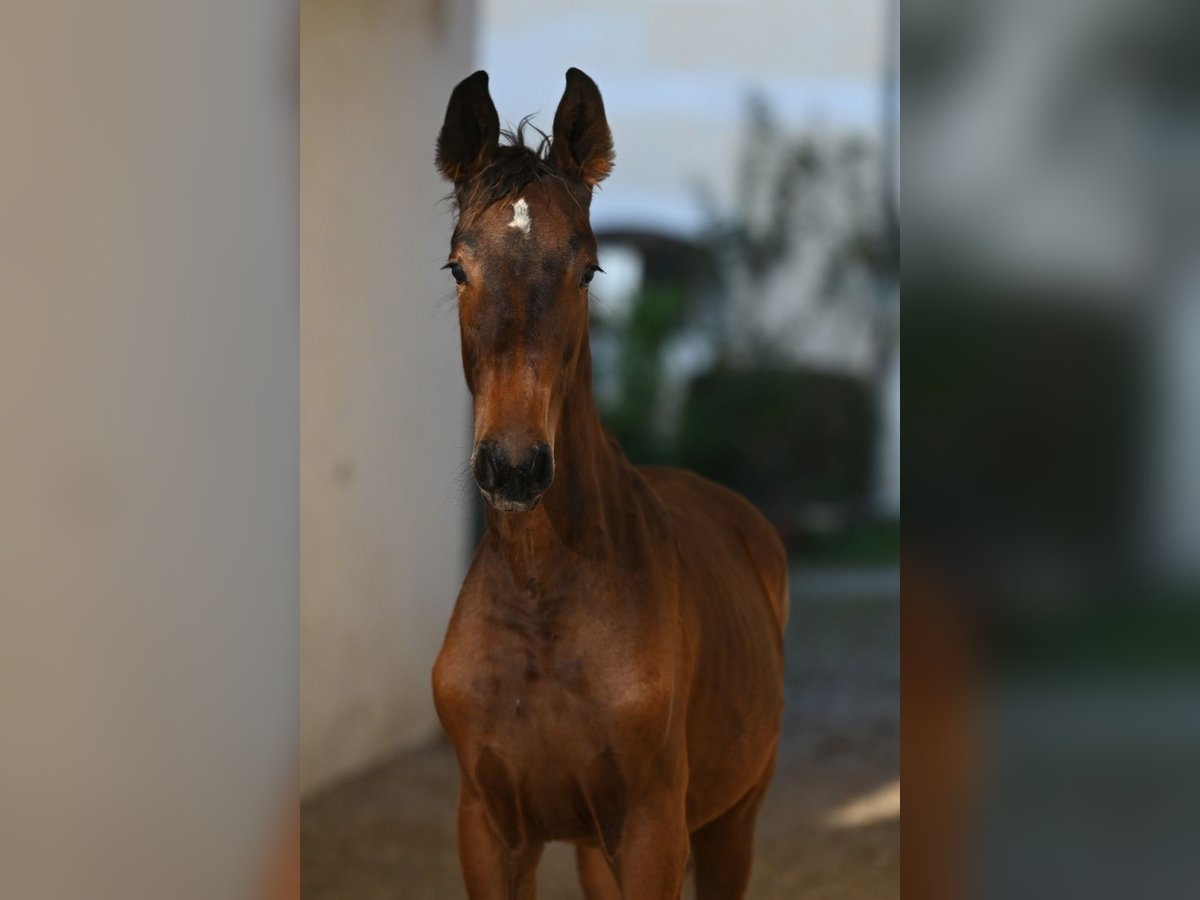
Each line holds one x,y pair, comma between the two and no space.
612,672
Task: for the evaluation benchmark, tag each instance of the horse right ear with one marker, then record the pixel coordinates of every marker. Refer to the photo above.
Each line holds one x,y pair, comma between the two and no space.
582,146
471,132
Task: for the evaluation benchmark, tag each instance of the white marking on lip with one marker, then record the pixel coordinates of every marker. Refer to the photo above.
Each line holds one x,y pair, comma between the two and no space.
521,218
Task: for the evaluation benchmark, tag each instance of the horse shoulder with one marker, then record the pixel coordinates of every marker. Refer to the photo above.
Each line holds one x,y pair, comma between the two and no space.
454,669
720,533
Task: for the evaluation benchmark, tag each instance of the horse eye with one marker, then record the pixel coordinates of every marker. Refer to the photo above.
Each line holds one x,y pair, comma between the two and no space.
457,271
588,274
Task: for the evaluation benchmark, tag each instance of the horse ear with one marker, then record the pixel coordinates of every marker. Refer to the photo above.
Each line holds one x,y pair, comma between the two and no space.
471,132
582,144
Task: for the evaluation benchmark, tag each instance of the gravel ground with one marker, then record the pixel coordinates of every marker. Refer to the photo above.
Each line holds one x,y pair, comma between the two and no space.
830,829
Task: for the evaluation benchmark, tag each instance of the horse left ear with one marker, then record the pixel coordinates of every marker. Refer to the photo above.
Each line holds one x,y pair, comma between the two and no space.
471,131
582,144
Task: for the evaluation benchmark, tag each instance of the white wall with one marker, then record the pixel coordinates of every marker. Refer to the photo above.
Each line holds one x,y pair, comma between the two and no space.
385,414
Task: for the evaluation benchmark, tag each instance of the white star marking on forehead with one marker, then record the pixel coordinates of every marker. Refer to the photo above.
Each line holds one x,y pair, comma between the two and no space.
521,218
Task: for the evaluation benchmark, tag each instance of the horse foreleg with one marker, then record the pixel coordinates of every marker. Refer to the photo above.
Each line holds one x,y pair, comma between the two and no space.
492,869
596,875
723,850
653,850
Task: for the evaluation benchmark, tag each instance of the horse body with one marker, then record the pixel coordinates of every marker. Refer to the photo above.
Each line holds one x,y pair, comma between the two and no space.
734,585
612,672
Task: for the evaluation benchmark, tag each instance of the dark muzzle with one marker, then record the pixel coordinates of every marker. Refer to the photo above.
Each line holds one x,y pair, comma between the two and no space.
513,482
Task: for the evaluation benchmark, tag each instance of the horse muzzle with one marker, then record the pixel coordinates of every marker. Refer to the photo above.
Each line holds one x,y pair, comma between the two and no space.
512,481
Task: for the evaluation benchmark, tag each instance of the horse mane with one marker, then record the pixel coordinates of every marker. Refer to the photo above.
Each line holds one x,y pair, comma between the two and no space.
514,166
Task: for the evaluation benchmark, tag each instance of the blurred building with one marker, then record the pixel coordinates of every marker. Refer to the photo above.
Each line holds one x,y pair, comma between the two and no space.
676,77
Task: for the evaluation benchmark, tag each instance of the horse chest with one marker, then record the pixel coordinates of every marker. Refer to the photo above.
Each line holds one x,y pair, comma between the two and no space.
536,726
533,681
551,692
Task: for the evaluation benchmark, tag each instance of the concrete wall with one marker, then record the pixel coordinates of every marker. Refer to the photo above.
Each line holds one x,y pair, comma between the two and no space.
385,414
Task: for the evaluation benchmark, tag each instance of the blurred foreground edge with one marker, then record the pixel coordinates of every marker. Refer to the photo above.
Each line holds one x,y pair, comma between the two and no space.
283,875
938,680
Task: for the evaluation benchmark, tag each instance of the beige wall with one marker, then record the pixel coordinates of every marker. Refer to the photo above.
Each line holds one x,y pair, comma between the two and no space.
384,412
149,537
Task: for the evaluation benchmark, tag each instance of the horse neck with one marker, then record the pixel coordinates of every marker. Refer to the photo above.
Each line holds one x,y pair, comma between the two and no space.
581,512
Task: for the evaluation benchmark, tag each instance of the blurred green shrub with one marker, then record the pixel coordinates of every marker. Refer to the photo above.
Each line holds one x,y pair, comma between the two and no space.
657,314
784,437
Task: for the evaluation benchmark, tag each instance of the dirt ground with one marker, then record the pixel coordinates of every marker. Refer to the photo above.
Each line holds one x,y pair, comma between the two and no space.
830,829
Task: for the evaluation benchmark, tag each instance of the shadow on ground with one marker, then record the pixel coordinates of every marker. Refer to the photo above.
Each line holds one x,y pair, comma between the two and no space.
830,829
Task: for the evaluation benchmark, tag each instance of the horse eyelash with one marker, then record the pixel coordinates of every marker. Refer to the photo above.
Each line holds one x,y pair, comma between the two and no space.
451,265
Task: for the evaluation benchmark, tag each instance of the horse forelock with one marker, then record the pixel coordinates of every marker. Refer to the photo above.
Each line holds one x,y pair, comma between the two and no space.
514,167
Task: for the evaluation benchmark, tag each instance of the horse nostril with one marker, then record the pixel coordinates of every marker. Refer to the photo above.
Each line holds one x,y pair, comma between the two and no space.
541,468
485,468
513,480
